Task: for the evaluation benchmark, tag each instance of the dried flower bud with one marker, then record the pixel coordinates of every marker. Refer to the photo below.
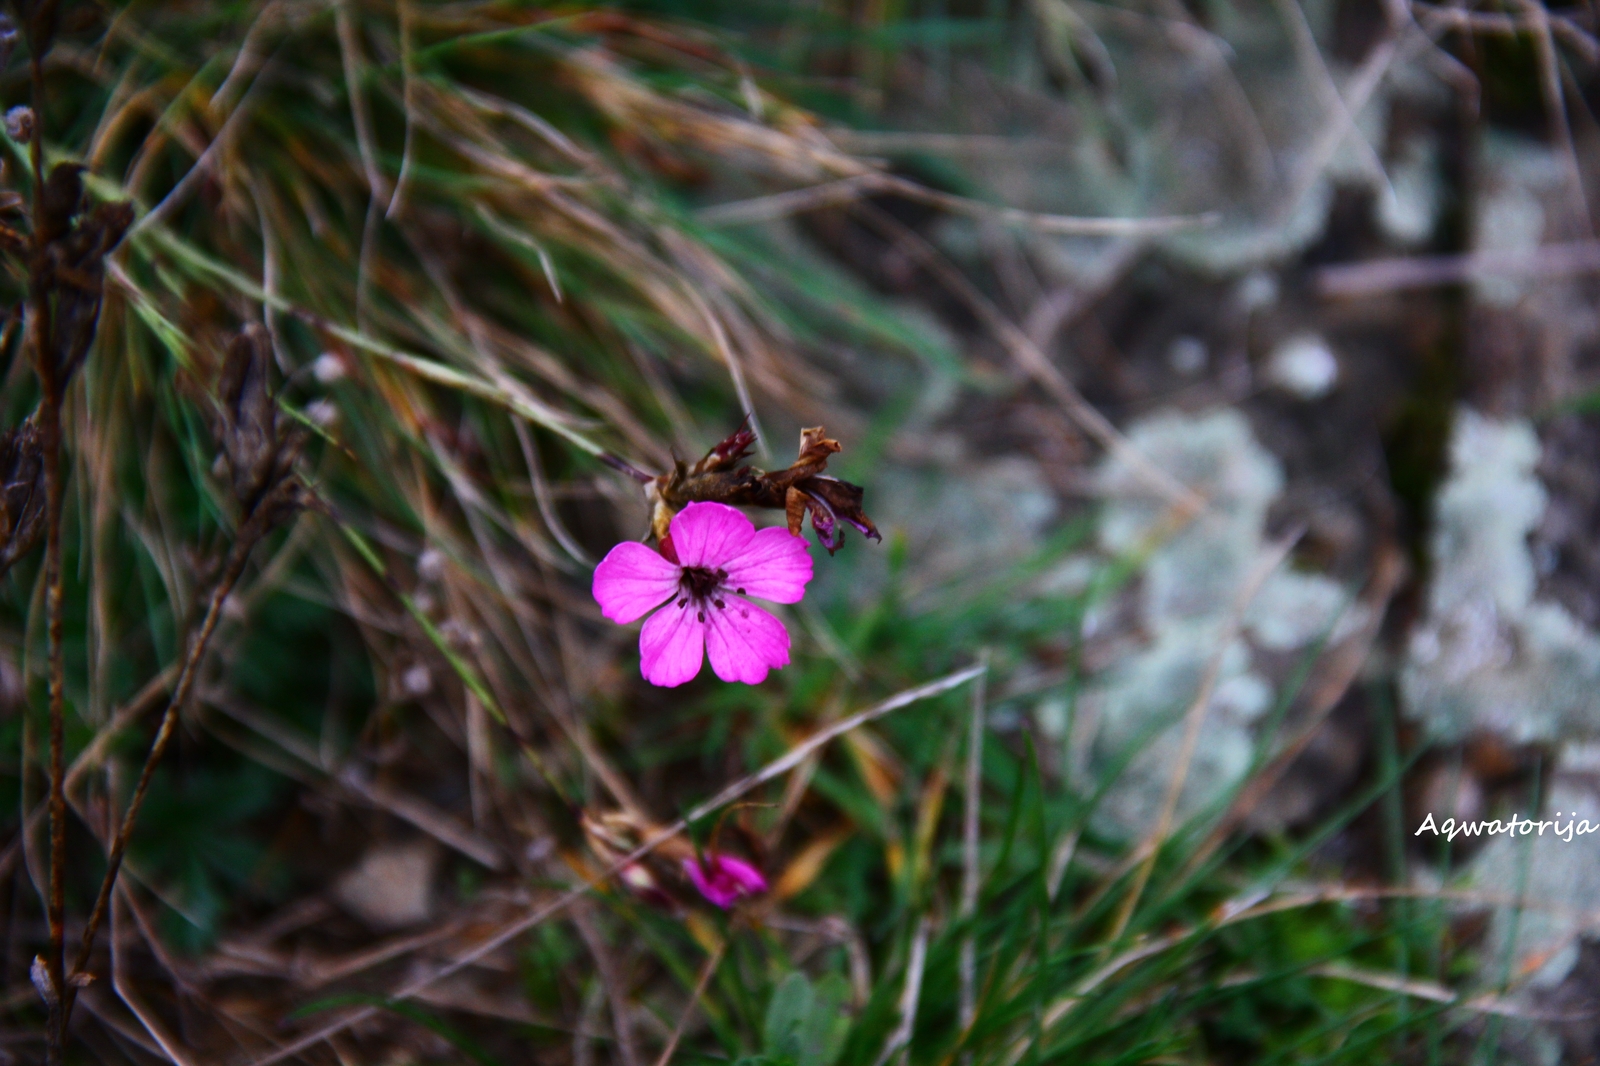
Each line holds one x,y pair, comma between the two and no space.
613,834
249,413
802,487
19,122
260,447
22,495
60,201
80,271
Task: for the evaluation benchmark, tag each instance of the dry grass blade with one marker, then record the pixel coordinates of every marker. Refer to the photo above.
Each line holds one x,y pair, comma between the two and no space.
900,1040
1437,993
123,987
973,800
846,190
1382,276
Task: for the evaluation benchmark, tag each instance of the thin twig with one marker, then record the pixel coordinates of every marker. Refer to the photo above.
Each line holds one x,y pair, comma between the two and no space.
90,756
794,757
1327,91
1256,904
40,282
250,532
1506,25
1376,277
741,387
1341,124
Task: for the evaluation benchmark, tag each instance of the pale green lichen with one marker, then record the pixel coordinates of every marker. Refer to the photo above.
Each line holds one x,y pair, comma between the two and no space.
1191,585
1489,655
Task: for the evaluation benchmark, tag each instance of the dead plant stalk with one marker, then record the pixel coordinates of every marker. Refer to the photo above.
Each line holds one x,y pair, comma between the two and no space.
255,527
40,276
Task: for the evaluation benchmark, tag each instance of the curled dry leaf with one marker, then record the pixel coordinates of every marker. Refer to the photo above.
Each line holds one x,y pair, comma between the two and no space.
802,487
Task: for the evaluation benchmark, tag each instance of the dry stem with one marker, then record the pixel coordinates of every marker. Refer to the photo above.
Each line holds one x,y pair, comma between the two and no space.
251,531
44,356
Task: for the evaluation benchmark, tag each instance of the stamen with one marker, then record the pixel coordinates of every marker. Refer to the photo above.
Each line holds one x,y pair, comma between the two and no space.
722,575
720,604
683,603
740,591
702,615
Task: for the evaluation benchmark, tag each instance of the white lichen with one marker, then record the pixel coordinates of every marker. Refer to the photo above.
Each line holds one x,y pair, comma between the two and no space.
1489,655
1191,584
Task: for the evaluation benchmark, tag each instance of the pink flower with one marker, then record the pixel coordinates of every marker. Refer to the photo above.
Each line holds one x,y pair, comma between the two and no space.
721,558
723,879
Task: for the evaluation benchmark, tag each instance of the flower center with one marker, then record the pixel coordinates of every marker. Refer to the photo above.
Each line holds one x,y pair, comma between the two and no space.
700,582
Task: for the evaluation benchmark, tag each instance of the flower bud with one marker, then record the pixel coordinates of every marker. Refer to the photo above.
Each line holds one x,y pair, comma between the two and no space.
19,122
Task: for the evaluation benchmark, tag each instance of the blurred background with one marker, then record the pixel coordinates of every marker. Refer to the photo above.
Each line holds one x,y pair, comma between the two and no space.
1223,375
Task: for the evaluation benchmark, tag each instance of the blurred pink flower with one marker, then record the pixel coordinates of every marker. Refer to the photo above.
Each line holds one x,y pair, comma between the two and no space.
721,557
723,879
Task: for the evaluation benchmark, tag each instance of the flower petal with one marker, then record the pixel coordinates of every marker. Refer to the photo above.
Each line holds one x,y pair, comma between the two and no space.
723,879
744,641
672,646
774,566
707,885
632,579
741,873
709,534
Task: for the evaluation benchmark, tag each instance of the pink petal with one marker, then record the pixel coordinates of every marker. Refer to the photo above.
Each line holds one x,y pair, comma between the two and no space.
744,641
774,566
723,879
671,646
632,579
709,534
740,873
